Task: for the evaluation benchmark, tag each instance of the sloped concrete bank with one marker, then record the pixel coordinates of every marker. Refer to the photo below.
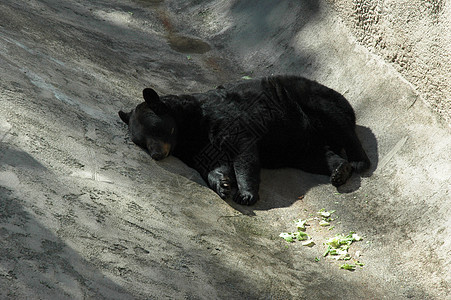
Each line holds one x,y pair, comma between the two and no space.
85,214
413,37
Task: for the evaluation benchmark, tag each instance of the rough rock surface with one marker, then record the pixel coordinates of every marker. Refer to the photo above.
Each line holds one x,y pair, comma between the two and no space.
84,214
414,36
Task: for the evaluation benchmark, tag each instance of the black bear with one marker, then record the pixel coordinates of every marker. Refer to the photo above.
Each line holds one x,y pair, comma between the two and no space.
229,133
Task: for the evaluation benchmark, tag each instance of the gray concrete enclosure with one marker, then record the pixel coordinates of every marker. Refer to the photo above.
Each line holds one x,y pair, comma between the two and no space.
85,214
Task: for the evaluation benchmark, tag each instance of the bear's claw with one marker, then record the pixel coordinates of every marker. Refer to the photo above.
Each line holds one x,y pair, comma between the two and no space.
245,198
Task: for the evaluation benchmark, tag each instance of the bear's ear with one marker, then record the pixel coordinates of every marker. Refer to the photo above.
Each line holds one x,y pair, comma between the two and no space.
124,116
153,100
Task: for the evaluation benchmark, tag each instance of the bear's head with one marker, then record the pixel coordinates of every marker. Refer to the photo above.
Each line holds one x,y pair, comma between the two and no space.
151,126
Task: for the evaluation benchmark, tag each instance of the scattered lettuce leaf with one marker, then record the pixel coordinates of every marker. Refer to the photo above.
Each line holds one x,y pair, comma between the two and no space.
348,267
322,212
337,246
300,224
308,243
287,236
301,236
327,250
324,223
325,214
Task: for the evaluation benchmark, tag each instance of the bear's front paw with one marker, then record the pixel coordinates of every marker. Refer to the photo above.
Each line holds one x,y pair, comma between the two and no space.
341,174
245,198
221,183
224,188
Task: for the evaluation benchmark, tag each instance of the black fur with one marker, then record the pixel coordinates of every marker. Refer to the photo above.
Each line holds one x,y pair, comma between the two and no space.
229,133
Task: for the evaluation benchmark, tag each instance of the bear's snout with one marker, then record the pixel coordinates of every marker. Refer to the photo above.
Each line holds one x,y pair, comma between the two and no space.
158,150
158,156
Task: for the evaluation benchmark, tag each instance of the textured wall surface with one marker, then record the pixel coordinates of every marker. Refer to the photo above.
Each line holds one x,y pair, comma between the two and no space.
414,36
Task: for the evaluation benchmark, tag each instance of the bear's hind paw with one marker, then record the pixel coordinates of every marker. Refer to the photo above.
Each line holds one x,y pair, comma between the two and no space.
341,174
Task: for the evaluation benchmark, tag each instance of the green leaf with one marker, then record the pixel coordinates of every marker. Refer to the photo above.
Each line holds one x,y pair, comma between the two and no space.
300,224
301,236
324,223
325,214
327,250
287,236
348,267
309,243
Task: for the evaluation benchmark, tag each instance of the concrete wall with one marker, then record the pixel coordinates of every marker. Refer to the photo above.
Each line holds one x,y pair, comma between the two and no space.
412,35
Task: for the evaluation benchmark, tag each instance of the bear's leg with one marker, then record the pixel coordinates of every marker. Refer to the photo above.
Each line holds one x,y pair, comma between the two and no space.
222,181
340,169
355,153
247,173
